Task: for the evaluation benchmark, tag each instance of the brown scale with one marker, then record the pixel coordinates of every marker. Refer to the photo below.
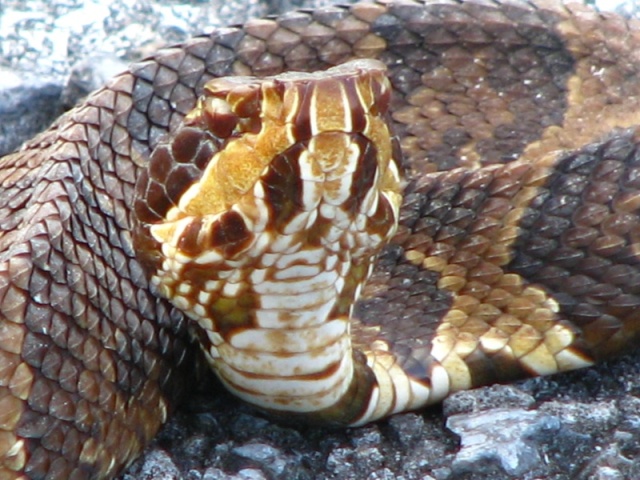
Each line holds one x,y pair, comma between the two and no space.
282,186
589,273
515,81
580,255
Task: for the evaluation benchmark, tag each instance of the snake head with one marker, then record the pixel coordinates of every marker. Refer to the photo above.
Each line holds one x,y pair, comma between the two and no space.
261,217
235,169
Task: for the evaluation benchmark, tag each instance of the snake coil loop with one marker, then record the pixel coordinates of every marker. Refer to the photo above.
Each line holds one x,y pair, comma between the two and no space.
449,198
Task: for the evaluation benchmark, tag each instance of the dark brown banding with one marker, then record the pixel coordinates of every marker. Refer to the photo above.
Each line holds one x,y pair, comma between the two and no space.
189,242
364,175
246,100
221,124
173,168
182,176
302,125
206,150
283,187
154,195
576,244
353,106
185,145
381,106
383,217
161,165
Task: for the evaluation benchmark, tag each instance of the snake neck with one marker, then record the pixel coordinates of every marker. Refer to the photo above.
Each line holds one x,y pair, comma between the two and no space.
274,317
294,353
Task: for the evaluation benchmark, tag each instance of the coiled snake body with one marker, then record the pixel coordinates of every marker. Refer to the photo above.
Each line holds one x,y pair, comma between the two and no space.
515,252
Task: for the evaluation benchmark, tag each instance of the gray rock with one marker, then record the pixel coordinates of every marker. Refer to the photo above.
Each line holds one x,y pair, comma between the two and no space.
245,474
471,401
28,104
159,465
607,473
501,436
265,456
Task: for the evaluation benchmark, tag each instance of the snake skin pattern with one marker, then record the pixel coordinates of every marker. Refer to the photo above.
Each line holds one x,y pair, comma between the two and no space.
515,253
267,254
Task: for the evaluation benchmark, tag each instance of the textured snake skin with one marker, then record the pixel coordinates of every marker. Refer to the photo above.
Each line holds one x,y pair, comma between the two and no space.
536,233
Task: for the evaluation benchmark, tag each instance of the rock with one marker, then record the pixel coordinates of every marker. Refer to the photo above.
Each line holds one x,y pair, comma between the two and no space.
28,104
158,465
502,436
264,456
503,395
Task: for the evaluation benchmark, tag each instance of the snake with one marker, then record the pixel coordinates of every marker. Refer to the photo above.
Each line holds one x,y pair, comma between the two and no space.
346,212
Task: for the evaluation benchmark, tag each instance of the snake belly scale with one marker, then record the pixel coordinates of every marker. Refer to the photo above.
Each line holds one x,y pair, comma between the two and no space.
514,254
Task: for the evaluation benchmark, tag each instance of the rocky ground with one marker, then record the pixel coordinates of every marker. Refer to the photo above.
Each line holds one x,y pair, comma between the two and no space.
583,425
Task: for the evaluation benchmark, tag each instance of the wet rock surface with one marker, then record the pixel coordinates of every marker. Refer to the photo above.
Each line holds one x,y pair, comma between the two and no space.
583,425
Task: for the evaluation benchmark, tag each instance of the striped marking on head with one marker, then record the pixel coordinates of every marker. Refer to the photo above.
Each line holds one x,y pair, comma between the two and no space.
263,119
311,127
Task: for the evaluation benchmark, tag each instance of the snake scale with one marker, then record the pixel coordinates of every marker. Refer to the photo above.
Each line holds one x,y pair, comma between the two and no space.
515,252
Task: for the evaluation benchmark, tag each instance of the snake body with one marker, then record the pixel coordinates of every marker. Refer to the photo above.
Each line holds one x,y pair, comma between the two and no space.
515,252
